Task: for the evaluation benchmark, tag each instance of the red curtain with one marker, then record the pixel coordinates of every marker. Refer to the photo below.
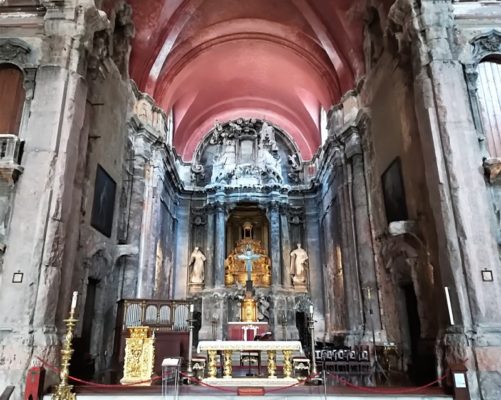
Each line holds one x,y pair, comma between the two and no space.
11,99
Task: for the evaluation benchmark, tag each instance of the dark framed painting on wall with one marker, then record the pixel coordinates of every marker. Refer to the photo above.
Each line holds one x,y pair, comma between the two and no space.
394,192
104,202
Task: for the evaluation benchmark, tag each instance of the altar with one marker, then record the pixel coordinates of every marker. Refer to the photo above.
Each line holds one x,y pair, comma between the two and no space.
228,347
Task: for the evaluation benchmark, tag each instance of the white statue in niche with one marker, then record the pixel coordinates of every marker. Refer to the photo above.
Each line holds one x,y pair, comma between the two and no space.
299,265
197,261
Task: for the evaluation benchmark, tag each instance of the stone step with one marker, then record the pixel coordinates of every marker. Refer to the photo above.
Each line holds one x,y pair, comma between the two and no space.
277,396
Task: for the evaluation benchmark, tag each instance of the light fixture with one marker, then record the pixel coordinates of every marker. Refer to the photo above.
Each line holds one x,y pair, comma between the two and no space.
487,275
17,277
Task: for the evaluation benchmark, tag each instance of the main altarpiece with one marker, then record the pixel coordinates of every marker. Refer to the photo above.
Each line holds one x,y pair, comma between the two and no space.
254,185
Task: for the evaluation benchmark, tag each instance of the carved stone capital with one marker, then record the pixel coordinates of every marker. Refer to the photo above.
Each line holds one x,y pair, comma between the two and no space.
219,207
274,207
471,73
353,145
337,157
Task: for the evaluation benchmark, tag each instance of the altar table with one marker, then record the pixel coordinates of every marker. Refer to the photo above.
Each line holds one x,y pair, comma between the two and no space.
229,346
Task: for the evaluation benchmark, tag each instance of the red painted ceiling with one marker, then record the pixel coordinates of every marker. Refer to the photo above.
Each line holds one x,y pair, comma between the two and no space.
280,60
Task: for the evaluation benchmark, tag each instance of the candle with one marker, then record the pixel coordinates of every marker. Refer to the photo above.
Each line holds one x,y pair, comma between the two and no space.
311,309
192,307
74,301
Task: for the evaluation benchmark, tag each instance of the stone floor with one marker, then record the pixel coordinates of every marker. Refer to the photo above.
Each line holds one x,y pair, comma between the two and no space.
211,393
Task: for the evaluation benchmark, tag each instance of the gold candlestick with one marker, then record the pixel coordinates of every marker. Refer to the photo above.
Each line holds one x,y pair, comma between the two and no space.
64,391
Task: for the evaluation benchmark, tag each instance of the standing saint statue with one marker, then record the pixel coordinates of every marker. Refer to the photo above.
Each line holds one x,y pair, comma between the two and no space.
299,264
197,261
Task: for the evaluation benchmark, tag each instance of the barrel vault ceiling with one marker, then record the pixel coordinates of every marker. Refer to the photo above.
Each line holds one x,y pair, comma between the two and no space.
280,60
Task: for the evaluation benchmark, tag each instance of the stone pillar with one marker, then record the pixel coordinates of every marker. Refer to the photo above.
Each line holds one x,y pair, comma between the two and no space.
182,250
43,240
312,247
364,249
349,256
209,251
457,193
219,244
276,265
144,272
286,247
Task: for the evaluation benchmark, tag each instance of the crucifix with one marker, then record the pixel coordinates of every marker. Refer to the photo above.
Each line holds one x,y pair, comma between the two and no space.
249,256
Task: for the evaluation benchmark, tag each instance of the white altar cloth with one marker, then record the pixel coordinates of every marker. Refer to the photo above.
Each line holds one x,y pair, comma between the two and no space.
241,345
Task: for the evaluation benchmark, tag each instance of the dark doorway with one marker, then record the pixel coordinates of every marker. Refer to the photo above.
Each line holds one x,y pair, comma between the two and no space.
304,333
422,365
82,363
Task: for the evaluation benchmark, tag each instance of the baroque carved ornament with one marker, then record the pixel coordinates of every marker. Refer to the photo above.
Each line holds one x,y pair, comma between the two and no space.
14,50
486,44
245,153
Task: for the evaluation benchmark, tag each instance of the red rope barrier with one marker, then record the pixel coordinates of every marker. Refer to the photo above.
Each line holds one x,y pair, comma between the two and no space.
196,380
223,389
385,391
308,378
94,384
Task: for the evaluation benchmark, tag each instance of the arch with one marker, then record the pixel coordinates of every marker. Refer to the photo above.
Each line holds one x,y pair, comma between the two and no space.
12,97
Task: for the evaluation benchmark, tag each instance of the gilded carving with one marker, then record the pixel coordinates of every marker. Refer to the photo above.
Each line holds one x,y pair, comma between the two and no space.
212,369
287,363
272,363
249,310
235,271
227,363
139,356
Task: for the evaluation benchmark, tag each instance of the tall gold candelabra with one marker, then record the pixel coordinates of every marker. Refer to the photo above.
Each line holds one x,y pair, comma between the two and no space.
64,391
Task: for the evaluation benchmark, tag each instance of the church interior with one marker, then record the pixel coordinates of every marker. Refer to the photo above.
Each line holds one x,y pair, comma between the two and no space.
322,175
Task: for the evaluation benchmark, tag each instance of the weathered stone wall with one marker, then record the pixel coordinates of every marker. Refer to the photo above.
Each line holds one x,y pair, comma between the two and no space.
107,107
42,239
75,118
392,133
419,75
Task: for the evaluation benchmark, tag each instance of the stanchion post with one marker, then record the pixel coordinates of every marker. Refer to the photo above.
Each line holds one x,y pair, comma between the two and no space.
63,390
311,325
189,371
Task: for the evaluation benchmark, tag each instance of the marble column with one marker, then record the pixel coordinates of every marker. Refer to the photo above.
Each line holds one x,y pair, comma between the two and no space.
276,265
209,251
286,247
144,273
219,244
312,247
366,265
349,256
182,251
